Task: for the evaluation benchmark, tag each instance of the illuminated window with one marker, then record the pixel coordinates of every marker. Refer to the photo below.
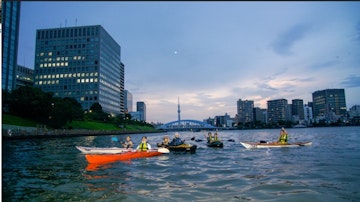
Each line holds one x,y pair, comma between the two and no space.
82,99
58,59
61,75
78,81
40,82
41,65
91,80
83,74
82,80
74,57
79,57
41,54
57,76
66,64
58,64
53,76
62,58
62,64
45,65
45,76
66,58
87,80
50,59
50,53
78,74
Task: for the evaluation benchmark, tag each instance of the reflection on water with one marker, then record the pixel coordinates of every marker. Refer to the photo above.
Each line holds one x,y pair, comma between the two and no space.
54,170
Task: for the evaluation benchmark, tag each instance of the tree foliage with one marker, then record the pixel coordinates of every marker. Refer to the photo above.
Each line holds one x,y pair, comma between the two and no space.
37,105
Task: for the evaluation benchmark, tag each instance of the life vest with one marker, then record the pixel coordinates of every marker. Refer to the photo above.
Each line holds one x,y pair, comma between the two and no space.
283,138
143,146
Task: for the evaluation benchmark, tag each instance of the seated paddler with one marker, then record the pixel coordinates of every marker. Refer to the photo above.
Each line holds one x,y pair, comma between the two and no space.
176,140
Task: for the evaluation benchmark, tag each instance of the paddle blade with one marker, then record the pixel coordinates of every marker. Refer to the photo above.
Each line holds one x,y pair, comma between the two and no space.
114,139
193,138
163,150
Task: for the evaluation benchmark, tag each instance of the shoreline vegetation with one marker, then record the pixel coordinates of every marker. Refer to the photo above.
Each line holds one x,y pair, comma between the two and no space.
14,127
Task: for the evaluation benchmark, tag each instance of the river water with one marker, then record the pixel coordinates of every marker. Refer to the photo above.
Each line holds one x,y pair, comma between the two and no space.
54,170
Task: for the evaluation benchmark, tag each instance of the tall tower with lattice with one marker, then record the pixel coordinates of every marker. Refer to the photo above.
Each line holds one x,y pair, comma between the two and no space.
178,110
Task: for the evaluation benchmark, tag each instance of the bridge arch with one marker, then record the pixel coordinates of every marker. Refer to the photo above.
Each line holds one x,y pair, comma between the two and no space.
187,124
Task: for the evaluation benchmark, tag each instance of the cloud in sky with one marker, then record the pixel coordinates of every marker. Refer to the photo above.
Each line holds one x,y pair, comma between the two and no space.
285,41
225,51
351,81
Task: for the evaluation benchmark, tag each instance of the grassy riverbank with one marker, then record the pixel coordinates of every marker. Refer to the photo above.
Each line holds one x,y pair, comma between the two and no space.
73,128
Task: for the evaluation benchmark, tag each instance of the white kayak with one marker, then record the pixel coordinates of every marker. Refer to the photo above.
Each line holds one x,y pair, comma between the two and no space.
113,150
253,145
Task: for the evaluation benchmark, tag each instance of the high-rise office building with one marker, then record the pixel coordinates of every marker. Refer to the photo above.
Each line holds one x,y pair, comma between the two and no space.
128,101
260,115
10,16
277,110
297,108
329,102
308,114
245,111
141,107
83,63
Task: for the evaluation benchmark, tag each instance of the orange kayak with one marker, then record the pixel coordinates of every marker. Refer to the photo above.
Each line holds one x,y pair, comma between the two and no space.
108,158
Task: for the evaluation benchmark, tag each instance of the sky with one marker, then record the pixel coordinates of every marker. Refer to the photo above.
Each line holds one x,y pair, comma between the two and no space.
211,54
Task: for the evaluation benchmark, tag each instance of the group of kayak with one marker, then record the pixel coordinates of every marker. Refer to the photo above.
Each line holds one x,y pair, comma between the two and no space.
98,155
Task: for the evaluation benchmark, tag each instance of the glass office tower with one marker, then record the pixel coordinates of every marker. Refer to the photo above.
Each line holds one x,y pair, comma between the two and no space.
83,63
329,101
10,19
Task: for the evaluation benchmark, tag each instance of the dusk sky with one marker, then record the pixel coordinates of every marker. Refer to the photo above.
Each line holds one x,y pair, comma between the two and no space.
211,54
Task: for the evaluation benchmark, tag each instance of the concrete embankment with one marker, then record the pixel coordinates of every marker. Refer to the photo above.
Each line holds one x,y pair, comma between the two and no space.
21,132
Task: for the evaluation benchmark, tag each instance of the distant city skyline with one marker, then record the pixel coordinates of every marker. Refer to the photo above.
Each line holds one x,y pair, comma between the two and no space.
211,54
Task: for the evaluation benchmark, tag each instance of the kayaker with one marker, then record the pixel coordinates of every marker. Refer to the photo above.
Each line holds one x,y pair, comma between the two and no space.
283,138
209,137
128,144
177,140
216,137
165,142
144,145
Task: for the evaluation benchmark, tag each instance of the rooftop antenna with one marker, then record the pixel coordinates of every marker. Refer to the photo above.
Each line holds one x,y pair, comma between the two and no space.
65,22
76,22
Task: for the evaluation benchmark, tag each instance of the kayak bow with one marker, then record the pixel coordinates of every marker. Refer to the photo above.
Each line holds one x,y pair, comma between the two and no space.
253,145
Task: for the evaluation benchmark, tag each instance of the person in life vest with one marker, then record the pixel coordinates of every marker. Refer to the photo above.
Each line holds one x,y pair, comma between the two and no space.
144,145
283,138
216,137
209,138
128,144
177,140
